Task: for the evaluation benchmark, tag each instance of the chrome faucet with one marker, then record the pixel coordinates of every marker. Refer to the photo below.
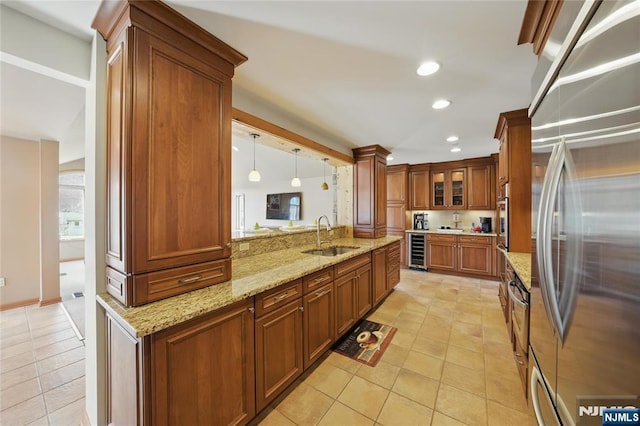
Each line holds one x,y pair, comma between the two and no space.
319,242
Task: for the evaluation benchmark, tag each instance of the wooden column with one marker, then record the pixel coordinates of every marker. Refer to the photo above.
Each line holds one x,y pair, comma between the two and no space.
370,192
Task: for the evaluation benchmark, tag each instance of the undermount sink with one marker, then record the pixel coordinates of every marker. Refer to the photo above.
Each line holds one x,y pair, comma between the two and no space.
330,251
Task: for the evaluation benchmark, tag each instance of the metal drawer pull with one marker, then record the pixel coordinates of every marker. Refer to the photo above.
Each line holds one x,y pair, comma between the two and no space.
322,293
319,280
190,280
279,298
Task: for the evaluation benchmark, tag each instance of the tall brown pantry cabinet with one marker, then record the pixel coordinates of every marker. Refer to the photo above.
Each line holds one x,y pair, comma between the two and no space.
168,152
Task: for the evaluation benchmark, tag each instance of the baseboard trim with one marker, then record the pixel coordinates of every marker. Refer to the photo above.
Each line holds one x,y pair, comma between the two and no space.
20,304
50,301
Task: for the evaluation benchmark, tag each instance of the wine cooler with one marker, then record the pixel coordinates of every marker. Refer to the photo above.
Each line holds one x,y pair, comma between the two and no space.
417,250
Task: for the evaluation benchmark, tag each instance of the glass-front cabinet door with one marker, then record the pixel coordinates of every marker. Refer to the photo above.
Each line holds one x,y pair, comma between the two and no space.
437,190
448,191
458,199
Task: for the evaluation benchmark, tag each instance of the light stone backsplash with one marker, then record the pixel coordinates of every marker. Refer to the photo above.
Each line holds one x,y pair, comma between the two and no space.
280,240
343,208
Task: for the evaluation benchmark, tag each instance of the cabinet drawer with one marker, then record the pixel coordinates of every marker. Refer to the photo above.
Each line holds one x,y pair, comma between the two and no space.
279,296
393,277
317,279
474,239
351,264
442,238
394,249
170,282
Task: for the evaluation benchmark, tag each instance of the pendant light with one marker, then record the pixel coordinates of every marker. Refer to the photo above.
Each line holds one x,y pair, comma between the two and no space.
324,185
254,175
295,182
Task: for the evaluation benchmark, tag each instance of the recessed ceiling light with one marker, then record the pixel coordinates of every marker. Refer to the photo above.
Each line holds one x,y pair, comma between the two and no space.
456,149
428,68
389,158
453,138
440,104
235,148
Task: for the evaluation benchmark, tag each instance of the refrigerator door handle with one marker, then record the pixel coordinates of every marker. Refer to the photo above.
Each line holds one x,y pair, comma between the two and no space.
561,310
543,253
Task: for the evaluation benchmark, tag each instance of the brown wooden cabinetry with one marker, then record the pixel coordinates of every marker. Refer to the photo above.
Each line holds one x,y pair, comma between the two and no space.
379,262
393,265
465,254
419,187
441,252
202,371
514,168
449,189
475,255
318,322
480,187
353,291
397,202
168,152
279,354
370,192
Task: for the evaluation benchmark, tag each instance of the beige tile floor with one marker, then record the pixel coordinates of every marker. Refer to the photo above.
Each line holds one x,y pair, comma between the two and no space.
450,363
41,368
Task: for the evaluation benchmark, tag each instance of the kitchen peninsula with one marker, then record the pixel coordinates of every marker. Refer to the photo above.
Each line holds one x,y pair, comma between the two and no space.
277,315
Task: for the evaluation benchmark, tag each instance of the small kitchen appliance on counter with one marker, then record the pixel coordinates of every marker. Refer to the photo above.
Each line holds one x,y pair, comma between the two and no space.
485,223
420,221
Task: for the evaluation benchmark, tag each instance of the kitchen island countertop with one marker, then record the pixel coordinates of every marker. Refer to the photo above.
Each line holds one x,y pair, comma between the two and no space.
448,232
250,276
521,263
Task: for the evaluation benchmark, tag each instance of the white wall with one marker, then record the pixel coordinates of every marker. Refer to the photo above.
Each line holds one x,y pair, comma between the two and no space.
38,43
315,201
25,230
72,249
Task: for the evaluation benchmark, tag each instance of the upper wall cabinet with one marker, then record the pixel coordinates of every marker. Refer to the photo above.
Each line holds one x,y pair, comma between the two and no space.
168,152
448,189
480,192
419,187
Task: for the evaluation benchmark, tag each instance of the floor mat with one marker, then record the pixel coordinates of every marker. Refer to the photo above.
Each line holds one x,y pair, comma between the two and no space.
366,342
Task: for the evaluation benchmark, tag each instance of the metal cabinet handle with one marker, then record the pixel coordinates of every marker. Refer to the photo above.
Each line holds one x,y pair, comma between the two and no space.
228,245
301,308
252,309
319,280
322,293
513,296
190,280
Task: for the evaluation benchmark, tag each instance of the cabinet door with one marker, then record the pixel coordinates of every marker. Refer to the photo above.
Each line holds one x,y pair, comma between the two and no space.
379,261
180,156
318,323
475,259
480,188
503,160
457,189
396,187
279,359
441,255
438,190
202,372
396,218
345,303
363,290
419,189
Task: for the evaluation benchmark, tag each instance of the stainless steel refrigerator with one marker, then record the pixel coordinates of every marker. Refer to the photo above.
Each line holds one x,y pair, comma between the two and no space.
585,302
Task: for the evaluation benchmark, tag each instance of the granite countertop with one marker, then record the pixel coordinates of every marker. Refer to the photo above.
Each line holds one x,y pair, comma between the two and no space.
448,232
521,263
250,276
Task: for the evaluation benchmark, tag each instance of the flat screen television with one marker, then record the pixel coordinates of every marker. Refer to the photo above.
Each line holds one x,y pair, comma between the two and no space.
284,206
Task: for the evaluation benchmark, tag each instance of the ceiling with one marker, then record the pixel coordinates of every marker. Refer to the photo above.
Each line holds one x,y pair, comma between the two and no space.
347,69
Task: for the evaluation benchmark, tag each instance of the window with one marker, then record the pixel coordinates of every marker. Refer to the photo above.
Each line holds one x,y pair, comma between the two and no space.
71,205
